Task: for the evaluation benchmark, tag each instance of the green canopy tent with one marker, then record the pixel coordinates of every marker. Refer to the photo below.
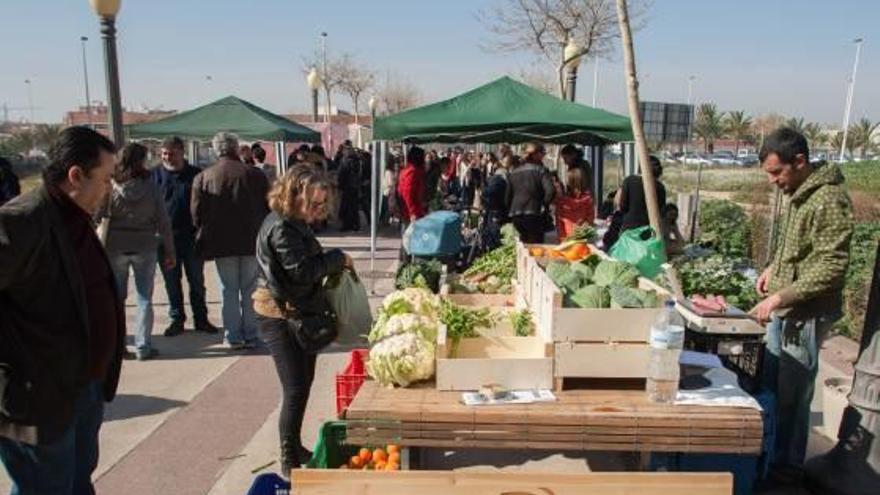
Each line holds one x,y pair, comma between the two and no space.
230,114
502,111
505,111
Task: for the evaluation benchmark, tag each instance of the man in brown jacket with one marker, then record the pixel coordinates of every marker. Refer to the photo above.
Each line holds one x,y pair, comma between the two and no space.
228,206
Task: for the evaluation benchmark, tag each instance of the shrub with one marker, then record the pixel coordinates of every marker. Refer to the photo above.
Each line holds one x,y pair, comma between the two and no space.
862,252
724,227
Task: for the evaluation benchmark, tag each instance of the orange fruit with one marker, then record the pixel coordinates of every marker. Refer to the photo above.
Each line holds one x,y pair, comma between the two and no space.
536,252
392,449
380,465
365,456
392,466
394,457
379,455
355,462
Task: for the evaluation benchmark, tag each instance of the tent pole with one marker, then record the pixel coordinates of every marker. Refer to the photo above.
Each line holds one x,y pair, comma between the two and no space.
374,215
194,153
597,156
280,158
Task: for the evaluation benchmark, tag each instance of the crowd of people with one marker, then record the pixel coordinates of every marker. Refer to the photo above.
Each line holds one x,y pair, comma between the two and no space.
521,189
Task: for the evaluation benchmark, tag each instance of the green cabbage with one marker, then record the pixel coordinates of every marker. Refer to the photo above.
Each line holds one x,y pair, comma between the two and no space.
557,269
401,359
625,297
590,297
619,273
584,270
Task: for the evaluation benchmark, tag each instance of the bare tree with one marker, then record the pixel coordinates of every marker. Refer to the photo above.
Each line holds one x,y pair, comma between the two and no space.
331,75
542,81
355,80
544,27
397,95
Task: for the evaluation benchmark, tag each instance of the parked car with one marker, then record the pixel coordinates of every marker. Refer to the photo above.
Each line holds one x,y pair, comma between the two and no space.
749,160
724,158
696,159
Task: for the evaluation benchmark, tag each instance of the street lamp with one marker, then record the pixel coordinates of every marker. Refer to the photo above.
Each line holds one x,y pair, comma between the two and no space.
373,103
30,99
572,56
324,71
849,97
83,40
314,82
106,11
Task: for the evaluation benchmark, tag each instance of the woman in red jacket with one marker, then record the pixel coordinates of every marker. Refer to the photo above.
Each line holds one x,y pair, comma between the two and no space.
411,187
575,207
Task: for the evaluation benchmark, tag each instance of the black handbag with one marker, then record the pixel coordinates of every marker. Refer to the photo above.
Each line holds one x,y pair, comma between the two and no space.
313,332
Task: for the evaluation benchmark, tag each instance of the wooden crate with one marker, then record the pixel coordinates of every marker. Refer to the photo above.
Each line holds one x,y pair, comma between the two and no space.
588,325
601,360
496,357
346,482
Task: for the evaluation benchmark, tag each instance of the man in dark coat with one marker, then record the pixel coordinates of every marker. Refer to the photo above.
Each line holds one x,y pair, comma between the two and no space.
349,180
62,325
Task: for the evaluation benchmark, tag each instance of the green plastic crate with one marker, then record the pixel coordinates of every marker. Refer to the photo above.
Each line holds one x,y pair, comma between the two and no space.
331,450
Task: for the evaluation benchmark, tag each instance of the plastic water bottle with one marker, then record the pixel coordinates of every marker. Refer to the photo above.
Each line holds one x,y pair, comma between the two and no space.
667,340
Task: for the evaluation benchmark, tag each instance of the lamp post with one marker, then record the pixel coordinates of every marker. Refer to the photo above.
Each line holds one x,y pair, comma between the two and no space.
373,103
596,83
83,40
572,56
324,72
30,99
314,82
849,97
106,11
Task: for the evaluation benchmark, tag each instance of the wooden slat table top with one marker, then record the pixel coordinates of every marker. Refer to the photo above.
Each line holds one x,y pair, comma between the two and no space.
580,419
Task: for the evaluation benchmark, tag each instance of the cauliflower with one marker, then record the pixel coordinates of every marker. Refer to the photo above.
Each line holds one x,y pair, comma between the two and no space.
412,300
401,359
387,326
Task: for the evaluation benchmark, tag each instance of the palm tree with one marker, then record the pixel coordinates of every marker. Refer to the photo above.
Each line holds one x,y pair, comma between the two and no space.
46,134
816,137
796,124
709,125
862,135
737,125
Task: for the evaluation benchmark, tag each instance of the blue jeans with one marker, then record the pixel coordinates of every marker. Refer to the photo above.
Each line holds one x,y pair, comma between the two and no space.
791,362
63,467
187,261
237,276
144,267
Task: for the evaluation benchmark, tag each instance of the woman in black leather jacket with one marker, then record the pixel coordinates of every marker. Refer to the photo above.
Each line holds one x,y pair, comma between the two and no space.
292,269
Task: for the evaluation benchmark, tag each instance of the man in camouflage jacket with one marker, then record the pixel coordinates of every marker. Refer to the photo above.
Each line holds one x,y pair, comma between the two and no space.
802,286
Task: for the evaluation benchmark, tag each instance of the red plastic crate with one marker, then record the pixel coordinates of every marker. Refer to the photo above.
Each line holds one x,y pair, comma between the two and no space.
350,380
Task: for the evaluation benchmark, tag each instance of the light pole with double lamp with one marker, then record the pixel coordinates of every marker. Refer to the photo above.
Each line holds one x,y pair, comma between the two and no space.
314,82
106,11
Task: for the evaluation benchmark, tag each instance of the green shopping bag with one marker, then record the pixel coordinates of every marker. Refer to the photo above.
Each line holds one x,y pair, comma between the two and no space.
642,248
349,301
331,450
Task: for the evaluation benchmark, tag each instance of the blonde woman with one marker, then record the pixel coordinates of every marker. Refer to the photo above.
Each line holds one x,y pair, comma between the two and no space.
290,298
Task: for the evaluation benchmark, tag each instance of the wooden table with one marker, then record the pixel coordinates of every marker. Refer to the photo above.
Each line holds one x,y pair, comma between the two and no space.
581,420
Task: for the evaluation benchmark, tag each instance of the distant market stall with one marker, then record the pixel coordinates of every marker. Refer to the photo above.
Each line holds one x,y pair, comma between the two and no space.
502,111
230,114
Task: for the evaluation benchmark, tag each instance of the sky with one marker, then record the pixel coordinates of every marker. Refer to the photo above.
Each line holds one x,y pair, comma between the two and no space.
784,56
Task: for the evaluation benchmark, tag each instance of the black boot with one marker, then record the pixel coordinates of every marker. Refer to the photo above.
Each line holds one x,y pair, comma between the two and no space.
289,457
